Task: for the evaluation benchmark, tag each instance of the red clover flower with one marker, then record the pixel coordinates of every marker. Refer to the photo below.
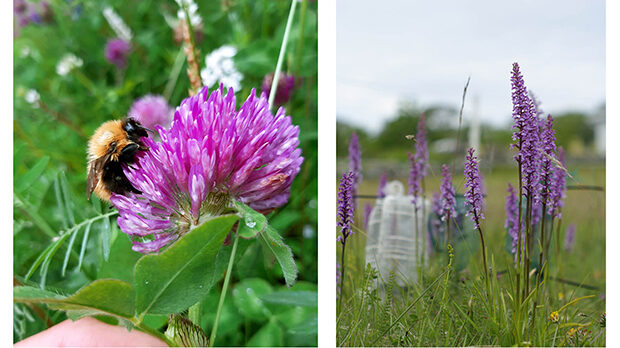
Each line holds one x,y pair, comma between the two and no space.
152,110
116,52
211,154
286,84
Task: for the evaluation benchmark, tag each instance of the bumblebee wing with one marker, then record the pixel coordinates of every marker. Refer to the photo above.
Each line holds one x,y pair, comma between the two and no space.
95,169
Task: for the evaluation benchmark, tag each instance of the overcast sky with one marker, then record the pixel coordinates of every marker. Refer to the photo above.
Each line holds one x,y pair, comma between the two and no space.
423,52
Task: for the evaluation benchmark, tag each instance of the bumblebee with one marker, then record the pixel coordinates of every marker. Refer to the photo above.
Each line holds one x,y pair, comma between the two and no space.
113,144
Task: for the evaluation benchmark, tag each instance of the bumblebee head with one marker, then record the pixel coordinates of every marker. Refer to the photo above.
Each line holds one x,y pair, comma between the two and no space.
117,140
134,129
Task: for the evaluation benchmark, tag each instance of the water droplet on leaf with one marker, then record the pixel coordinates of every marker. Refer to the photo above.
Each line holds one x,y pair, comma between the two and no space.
250,222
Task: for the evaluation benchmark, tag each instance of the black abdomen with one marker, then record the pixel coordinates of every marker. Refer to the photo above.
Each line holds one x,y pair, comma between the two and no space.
114,179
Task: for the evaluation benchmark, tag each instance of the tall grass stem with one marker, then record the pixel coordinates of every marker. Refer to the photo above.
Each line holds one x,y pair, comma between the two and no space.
276,75
458,132
224,290
174,74
408,308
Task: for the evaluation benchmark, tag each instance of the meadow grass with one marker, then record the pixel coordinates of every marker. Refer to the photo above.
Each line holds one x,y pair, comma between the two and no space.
451,308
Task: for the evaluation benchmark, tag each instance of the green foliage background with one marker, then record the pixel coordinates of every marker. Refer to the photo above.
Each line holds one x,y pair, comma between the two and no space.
72,241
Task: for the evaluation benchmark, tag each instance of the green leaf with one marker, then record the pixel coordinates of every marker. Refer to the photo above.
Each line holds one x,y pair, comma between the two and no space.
173,280
258,58
246,296
26,180
67,197
29,294
106,236
283,220
122,260
270,335
155,321
273,244
105,296
308,327
294,316
252,222
84,241
230,318
292,298
65,262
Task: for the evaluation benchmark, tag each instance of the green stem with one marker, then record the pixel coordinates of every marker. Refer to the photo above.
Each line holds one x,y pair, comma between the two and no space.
342,260
224,290
528,237
416,233
276,75
447,236
424,242
484,256
174,74
85,81
541,240
519,242
397,320
153,332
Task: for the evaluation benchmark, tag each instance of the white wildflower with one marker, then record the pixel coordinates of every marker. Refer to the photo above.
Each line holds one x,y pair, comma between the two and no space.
25,52
221,67
32,97
68,63
117,24
192,10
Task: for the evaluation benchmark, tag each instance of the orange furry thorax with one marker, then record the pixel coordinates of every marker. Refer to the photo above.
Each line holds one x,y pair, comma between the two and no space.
110,131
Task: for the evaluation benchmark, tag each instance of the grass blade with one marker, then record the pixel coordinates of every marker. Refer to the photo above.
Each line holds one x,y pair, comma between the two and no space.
69,248
29,210
60,203
68,201
33,174
37,262
48,258
408,308
84,240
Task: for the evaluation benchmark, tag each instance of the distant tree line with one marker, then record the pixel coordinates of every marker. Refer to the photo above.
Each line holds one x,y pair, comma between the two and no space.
575,131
